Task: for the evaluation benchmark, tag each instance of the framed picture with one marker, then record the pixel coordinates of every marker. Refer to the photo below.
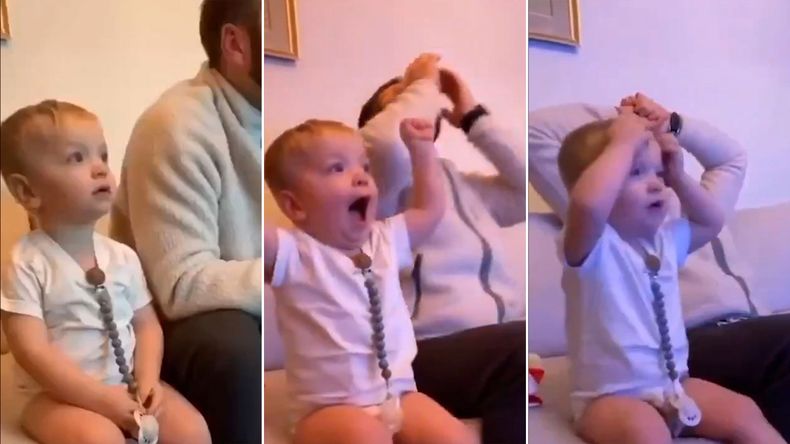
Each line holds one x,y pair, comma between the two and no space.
5,29
555,21
279,29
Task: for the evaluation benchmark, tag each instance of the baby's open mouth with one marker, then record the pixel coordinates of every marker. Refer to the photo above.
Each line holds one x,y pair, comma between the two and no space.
102,190
657,205
360,207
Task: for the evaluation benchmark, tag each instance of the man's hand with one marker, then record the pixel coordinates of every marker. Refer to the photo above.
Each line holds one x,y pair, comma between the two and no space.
417,134
644,106
458,92
425,66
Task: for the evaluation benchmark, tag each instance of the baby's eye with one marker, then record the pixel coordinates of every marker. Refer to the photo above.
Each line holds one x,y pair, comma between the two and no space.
336,168
104,157
75,157
636,171
366,166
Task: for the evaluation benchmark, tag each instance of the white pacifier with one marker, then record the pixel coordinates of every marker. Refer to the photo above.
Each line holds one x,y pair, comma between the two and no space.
391,413
688,412
148,428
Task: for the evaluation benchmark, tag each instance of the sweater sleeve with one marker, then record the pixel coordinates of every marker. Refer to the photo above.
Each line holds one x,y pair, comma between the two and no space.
173,194
390,160
723,159
505,193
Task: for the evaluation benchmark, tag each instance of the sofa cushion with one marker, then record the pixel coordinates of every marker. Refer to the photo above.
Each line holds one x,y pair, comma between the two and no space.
708,292
546,300
762,238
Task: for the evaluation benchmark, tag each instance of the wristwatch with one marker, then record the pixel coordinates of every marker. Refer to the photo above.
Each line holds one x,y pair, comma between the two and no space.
675,123
471,117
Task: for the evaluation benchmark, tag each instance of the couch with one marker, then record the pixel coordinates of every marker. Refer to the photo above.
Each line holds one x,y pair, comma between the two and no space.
762,238
756,233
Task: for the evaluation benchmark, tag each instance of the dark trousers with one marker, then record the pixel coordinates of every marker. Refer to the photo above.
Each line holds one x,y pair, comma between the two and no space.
479,372
214,360
751,357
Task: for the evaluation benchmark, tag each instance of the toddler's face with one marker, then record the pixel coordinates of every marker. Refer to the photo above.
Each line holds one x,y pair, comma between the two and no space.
335,192
641,207
70,177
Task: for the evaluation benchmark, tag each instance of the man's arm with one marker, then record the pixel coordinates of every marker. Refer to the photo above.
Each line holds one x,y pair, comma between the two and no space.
505,193
173,198
705,215
428,198
723,159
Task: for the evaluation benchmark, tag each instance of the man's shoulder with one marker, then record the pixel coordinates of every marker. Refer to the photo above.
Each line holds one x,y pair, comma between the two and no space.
187,103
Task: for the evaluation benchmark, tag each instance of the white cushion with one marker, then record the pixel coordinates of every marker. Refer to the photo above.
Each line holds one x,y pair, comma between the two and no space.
546,310
708,293
763,239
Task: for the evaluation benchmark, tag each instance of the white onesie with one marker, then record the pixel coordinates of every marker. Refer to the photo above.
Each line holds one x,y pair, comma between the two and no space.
613,337
323,315
43,281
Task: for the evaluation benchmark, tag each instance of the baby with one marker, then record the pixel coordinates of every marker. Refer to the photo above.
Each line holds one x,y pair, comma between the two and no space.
626,338
75,306
347,332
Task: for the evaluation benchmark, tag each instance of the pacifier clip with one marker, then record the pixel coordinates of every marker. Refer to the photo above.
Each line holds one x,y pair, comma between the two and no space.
688,413
391,412
148,432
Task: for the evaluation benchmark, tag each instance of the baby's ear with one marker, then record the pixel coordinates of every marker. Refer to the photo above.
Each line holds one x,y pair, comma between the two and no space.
290,205
20,188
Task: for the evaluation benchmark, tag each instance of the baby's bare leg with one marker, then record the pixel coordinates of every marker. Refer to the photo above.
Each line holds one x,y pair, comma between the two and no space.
179,421
51,422
341,424
729,416
623,420
426,422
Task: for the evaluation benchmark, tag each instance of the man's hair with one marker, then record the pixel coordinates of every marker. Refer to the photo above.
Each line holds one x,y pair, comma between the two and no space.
34,125
580,148
288,147
214,14
374,106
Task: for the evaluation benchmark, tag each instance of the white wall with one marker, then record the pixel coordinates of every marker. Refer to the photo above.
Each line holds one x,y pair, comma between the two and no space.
727,61
349,47
112,57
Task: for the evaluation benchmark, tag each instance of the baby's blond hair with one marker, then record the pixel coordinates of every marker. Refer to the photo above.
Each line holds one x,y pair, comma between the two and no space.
29,127
580,148
280,159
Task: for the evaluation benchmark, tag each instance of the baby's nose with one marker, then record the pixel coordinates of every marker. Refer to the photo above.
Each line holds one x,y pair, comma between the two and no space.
361,180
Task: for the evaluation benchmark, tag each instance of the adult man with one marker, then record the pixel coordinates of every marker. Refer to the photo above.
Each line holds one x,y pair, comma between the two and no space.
190,204
466,308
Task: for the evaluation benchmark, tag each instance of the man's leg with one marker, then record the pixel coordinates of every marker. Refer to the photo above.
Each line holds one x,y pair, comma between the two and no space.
214,360
751,357
479,372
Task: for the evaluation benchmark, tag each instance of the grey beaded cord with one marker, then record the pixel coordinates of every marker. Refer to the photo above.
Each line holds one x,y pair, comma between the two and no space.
95,276
653,264
363,262
688,413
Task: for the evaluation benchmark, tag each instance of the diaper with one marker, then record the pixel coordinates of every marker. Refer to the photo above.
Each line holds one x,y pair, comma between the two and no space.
389,412
655,396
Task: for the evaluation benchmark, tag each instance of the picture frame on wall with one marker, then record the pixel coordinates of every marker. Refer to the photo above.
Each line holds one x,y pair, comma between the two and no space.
5,28
555,21
280,37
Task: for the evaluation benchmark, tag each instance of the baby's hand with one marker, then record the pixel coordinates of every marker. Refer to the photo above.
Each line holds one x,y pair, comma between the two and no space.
425,66
672,157
645,107
417,134
628,129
